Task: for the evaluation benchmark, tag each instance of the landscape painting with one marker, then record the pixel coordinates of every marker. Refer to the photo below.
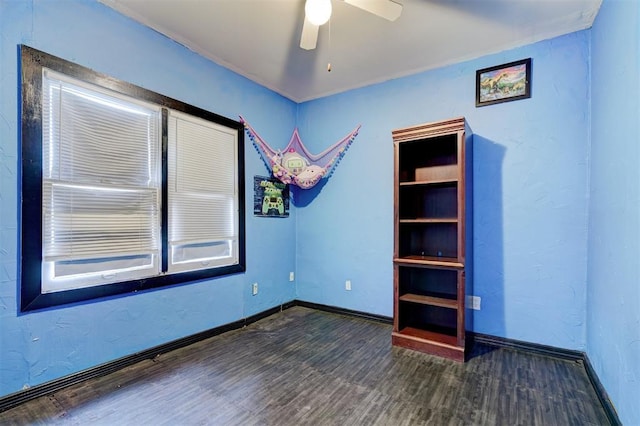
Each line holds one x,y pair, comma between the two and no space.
507,82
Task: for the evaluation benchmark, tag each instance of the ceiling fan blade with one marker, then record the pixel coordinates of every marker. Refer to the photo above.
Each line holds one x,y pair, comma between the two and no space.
386,9
309,36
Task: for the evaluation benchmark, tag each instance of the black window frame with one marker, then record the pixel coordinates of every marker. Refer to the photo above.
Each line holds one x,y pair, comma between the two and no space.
32,61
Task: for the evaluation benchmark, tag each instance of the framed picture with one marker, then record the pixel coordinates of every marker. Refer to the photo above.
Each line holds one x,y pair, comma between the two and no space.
503,83
270,197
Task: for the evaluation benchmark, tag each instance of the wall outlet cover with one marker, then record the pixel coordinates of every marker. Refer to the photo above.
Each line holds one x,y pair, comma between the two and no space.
473,302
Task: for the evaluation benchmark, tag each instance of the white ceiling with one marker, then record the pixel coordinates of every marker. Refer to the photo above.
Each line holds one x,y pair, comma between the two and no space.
260,39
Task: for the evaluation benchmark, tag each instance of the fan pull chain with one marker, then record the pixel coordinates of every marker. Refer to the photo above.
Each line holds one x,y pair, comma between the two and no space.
329,62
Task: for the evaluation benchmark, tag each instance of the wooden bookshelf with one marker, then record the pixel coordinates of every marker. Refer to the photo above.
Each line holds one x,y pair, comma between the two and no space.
430,247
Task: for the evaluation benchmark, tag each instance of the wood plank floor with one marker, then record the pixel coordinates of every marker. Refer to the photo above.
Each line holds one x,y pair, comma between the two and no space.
303,366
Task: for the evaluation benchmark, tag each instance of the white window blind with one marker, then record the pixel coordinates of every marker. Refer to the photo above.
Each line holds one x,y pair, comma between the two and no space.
202,194
101,185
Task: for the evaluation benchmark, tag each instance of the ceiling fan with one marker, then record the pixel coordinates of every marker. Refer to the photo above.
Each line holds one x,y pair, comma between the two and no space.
318,12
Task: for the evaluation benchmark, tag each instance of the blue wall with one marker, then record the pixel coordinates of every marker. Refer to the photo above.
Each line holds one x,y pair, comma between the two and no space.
38,347
613,298
530,175
556,184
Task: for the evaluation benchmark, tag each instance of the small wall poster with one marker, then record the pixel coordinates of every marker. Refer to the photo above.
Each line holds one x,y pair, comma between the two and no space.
270,197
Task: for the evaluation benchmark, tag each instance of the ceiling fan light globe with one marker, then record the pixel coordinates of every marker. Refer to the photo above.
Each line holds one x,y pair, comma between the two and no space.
318,12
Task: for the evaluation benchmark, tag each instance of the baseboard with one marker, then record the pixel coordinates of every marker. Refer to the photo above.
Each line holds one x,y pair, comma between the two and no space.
536,348
555,352
612,414
343,311
289,305
37,391
263,314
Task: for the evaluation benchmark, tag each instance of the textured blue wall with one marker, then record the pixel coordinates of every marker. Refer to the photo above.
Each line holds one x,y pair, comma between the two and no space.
530,174
38,347
613,298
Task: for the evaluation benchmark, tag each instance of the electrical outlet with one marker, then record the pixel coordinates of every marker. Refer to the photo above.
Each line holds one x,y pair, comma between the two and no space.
473,302
347,285
291,276
254,288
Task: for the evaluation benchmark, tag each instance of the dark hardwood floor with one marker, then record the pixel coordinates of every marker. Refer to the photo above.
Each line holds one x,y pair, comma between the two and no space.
304,366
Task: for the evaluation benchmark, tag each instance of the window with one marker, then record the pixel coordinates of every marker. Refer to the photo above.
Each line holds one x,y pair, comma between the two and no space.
101,186
202,199
123,189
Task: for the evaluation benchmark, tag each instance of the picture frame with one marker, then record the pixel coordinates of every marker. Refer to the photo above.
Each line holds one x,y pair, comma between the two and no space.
503,83
271,197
